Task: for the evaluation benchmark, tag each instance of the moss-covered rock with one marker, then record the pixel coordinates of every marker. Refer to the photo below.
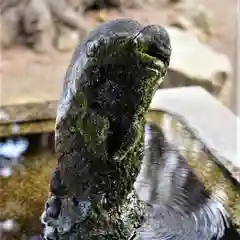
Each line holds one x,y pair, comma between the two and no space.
99,128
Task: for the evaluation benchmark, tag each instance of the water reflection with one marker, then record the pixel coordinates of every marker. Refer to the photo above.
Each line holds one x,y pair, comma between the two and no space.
11,151
23,181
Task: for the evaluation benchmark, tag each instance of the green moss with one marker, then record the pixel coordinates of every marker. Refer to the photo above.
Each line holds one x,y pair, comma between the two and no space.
94,117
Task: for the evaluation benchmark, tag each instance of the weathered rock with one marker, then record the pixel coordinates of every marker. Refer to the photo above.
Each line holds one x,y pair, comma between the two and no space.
39,22
121,4
67,40
97,125
71,26
38,25
80,5
5,4
193,17
9,22
64,13
195,63
8,28
174,1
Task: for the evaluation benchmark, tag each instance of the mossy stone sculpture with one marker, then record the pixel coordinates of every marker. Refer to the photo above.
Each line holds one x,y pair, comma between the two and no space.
99,131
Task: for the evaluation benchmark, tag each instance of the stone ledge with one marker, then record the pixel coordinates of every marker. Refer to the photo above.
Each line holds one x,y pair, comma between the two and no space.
29,112
211,122
25,128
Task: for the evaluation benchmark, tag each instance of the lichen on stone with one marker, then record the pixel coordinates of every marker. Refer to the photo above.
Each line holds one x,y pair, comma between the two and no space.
100,138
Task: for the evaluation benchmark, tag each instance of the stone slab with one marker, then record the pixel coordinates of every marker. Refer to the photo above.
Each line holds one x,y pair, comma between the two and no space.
210,121
25,128
31,88
194,63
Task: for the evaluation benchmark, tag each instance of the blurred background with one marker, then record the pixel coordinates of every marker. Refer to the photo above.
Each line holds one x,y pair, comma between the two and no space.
38,38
